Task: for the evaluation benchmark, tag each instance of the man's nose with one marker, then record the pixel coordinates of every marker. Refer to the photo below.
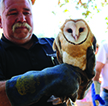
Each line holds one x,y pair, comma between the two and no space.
21,17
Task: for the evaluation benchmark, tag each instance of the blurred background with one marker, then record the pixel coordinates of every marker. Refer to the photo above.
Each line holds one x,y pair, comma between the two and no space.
49,15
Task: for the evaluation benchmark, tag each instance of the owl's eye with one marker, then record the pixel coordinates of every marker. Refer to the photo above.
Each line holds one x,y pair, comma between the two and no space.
69,30
81,29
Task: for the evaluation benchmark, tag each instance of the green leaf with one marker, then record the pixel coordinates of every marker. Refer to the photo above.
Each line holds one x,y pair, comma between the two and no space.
66,10
86,13
105,0
98,10
95,7
67,1
107,23
83,13
102,4
53,12
106,18
62,5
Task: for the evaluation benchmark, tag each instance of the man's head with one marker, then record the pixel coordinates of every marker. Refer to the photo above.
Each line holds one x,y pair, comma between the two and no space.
2,5
16,20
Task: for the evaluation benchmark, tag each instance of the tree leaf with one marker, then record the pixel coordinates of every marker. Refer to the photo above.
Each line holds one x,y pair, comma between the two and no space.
67,1
66,10
33,1
106,18
53,12
58,2
62,5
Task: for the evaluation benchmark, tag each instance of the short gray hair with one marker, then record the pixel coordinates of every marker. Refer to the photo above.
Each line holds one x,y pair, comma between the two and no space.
2,5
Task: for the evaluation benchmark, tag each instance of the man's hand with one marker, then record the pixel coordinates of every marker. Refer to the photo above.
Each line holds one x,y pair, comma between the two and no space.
4,101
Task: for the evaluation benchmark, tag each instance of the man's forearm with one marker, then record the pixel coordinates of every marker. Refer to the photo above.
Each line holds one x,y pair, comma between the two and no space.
4,101
97,76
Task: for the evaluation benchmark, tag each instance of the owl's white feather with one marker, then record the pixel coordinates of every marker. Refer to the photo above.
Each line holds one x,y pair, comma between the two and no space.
75,31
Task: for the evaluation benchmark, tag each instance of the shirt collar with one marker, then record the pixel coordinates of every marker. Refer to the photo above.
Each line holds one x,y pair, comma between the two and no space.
6,43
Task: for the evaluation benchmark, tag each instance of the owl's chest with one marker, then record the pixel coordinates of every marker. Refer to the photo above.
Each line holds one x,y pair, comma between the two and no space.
75,54
75,58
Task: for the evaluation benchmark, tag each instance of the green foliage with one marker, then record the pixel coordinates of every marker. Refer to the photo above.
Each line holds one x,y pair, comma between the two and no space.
88,5
106,18
66,10
86,13
88,9
67,1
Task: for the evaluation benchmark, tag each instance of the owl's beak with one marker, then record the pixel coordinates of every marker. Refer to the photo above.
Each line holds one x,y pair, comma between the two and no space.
76,37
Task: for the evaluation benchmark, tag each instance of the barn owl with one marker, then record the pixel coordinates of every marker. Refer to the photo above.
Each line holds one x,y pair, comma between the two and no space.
72,42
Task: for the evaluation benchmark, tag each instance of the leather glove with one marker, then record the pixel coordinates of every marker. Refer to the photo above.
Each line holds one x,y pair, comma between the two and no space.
88,74
96,94
61,81
91,61
86,78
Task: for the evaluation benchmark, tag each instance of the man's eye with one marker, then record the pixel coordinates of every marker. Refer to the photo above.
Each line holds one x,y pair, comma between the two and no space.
15,13
26,13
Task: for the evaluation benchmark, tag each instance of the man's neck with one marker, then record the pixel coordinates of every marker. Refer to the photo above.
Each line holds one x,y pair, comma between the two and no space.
27,45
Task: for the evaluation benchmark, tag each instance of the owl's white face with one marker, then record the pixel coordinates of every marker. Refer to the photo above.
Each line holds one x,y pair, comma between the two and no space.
75,32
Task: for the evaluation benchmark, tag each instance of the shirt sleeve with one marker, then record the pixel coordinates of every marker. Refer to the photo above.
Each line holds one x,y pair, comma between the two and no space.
101,55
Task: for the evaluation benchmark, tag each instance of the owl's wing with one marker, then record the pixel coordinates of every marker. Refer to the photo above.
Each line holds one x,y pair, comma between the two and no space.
57,48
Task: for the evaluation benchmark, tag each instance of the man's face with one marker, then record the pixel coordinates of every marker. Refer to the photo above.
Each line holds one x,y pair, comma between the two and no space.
17,21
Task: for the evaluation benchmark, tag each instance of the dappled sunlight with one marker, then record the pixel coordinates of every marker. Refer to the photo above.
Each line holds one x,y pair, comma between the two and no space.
48,17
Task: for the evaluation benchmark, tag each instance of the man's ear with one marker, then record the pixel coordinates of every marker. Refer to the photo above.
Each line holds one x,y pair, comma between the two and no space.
0,22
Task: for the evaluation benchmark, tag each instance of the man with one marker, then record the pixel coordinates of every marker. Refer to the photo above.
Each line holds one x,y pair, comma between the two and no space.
25,78
102,68
17,23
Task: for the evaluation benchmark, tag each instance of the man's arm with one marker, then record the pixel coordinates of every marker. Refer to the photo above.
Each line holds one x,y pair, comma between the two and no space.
96,86
29,87
4,101
99,67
